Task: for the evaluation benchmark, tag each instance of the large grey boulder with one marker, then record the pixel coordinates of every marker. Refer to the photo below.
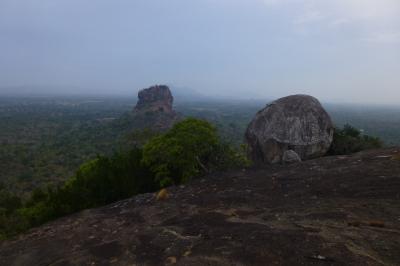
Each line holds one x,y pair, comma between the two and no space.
297,122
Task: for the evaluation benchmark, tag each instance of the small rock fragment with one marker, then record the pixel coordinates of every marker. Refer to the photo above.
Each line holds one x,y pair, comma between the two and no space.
290,156
171,260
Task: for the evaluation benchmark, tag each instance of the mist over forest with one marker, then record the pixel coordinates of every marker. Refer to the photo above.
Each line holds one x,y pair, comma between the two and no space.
201,132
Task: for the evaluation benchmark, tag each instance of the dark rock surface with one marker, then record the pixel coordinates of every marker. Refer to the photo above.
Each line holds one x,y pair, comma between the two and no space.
341,210
296,122
156,99
154,109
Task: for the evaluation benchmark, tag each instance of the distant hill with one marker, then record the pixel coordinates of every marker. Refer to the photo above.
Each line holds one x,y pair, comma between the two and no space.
154,109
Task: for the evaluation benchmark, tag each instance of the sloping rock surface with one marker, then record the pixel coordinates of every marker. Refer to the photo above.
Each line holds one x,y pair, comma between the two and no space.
342,210
297,122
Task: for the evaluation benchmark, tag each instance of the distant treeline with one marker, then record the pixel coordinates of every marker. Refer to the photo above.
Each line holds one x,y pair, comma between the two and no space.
44,140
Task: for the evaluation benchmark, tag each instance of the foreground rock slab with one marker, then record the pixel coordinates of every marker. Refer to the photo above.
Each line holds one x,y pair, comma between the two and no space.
341,210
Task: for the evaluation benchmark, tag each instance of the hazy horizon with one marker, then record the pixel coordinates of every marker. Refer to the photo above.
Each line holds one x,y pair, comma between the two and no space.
337,51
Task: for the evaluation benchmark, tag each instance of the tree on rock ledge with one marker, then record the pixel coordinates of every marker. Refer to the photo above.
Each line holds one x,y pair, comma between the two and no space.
182,152
191,148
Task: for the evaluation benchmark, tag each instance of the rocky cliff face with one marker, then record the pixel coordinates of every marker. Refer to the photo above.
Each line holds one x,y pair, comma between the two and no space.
341,210
155,99
154,109
297,123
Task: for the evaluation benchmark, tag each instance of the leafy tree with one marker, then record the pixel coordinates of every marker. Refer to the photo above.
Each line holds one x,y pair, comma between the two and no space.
191,148
97,182
350,140
8,202
182,152
349,131
138,138
10,223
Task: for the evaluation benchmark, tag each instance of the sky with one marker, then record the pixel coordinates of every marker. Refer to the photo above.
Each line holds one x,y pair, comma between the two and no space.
335,50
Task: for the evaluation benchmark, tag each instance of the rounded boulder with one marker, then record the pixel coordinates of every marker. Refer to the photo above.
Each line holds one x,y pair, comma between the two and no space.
297,122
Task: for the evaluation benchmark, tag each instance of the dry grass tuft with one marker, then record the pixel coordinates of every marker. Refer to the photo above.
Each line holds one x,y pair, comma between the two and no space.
396,157
162,194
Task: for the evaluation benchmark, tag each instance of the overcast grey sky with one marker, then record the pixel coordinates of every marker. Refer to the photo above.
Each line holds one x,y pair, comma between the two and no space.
332,49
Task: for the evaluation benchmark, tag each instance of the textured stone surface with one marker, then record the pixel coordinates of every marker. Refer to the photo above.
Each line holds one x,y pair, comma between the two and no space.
327,211
296,122
290,156
156,98
154,109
